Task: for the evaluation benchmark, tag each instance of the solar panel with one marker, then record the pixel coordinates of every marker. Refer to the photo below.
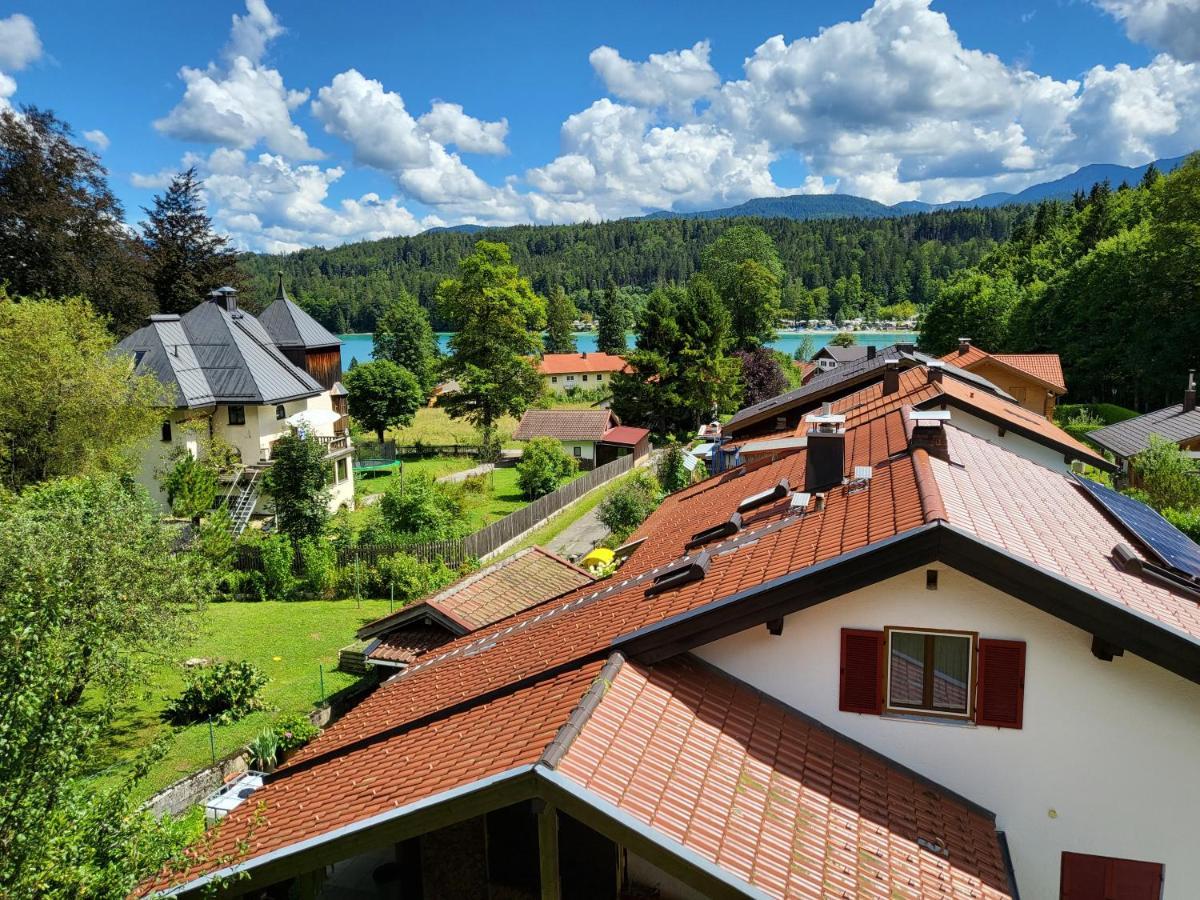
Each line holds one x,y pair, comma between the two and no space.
1167,543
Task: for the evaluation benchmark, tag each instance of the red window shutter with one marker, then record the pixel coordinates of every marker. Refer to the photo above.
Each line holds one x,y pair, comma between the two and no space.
1000,690
1087,877
861,686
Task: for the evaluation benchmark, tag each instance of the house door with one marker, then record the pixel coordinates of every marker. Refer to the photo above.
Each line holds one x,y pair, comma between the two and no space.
1086,877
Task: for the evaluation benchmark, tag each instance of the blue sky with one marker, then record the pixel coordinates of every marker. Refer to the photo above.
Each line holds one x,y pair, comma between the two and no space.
324,123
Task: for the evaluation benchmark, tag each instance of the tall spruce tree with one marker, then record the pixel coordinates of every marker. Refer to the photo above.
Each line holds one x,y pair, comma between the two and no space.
187,259
614,321
560,320
60,225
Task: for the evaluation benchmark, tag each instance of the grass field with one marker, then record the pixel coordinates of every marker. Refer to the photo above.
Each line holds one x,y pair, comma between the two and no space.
435,466
432,425
288,641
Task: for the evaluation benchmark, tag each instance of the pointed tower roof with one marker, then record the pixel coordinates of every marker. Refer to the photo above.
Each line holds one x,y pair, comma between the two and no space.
291,327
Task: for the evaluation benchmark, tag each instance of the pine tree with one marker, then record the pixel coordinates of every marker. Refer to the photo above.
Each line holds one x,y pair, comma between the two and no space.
560,320
187,258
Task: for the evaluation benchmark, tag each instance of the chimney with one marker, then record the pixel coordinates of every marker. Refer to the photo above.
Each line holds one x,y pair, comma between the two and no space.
870,351
225,297
929,432
907,347
1189,396
935,367
891,377
826,457
964,345
583,355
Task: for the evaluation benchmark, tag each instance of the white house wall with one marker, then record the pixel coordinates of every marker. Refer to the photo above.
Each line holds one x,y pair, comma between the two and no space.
1105,764
1014,443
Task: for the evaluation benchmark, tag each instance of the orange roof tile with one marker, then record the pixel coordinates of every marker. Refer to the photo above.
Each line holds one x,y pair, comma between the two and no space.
773,797
573,363
409,642
1045,367
434,756
564,424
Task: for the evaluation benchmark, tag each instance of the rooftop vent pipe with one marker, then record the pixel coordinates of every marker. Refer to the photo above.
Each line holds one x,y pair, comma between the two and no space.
1189,396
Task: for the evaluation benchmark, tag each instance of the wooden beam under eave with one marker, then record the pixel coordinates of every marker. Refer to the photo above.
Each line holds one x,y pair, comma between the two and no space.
547,819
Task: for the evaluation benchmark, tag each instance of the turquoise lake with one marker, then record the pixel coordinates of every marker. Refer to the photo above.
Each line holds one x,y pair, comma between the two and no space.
358,346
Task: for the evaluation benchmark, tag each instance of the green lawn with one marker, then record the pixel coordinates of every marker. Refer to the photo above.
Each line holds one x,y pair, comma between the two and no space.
432,425
544,535
288,641
436,466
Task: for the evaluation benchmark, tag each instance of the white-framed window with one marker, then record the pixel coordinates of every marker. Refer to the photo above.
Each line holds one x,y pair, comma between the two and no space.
280,412
554,379
929,671
585,378
237,415
599,377
570,378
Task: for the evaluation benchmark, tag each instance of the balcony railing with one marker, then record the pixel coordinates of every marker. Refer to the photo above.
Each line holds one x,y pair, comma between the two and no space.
336,443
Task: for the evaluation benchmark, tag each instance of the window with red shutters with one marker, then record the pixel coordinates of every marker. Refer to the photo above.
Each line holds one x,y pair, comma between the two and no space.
1087,877
861,683
1000,691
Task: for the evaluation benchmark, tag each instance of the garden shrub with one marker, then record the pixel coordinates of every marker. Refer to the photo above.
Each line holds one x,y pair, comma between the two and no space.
1186,520
629,504
543,467
1168,475
417,506
474,484
410,578
318,558
223,692
278,557
673,475
294,732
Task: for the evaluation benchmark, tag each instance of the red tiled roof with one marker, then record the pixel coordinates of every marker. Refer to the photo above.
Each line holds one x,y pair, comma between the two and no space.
1045,518
587,620
774,798
573,363
409,642
1044,367
430,758
626,435
564,424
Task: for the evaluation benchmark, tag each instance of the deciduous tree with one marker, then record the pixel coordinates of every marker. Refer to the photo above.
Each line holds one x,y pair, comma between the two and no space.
498,321
68,404
297,482
404,336
382,395
543,466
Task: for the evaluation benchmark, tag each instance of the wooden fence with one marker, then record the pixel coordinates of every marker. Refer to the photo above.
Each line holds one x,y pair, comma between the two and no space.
390,450
492,537
487,540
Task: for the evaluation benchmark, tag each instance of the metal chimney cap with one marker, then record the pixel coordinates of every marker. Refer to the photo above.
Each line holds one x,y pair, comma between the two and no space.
826,418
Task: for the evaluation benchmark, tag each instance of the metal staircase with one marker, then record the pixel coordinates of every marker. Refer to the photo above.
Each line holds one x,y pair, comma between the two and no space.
246,485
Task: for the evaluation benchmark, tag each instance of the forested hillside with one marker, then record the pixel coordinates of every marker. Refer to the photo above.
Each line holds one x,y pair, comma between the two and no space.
1110,282
853,265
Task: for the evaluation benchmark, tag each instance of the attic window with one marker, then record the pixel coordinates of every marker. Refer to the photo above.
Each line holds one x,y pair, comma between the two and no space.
280,412
237,415
679,573
762,498
729,527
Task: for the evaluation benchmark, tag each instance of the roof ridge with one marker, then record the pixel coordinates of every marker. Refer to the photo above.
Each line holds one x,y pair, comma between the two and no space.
927,487
570,729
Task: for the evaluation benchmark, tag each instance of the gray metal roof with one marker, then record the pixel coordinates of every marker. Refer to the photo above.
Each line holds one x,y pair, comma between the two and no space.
1132,436
847,375
843,354
291,327
211,355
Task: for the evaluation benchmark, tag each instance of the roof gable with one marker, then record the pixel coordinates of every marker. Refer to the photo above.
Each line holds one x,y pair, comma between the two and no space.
1132,436
1044,368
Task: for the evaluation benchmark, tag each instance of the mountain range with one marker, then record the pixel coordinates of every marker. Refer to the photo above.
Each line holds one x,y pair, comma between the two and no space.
840,206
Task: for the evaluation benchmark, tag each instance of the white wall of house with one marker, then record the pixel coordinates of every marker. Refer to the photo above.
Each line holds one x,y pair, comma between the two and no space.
156,453
1105,762
587,449
587,380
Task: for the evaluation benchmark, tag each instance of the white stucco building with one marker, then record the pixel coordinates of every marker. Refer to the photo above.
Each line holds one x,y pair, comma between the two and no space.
247,381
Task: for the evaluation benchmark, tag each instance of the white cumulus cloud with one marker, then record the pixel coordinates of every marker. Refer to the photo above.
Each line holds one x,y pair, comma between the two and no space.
446,123
675,80
19,46
240,102
1171,25
97,139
